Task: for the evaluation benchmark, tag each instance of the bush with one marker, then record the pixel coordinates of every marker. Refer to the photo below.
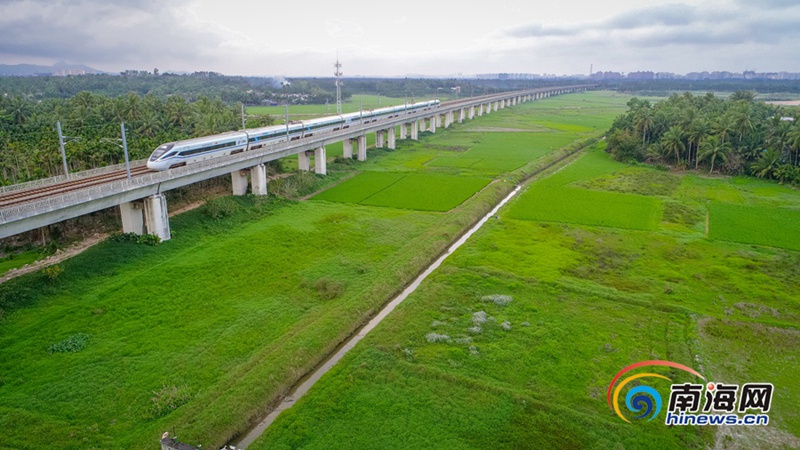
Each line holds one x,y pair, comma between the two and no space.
72,344
328,289
147,239
52,273
221,207
168,399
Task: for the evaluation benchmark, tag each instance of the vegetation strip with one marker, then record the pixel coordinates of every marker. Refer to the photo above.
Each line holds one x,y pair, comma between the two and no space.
309,380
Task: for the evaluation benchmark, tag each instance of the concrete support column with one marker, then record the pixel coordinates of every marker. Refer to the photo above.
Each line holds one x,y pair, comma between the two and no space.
362,148
303,161
471,112
380,139
496,106
391,139
438,120
320,161
461,114
239,182
258,179
421,124
433,124
480,110
415,130
403,131
132,217
156,217
347,148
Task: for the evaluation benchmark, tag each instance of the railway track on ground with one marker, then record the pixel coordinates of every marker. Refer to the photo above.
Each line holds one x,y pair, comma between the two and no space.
28,195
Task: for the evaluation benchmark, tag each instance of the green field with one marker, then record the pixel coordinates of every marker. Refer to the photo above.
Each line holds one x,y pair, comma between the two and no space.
763,225
424,192
609,265
199,334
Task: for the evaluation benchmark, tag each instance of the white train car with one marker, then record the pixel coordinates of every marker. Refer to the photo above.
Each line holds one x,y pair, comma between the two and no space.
181,153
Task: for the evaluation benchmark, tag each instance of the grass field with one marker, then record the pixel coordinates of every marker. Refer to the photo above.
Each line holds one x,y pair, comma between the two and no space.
424,192
449,368
763,225
197,335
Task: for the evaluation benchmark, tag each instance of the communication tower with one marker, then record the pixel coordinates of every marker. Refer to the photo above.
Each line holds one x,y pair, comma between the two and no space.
338,73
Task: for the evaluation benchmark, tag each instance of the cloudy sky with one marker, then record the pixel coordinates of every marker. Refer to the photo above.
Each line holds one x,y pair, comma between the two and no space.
379,38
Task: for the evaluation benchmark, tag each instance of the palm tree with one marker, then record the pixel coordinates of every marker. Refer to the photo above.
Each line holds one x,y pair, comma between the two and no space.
793,141
724,126
178,110
712,148
765,165
19,109
672,142
644,121
698,130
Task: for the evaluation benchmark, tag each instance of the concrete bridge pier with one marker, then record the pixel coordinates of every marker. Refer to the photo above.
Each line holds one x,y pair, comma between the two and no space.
391,139
304,161
421,124
132,214
320,161
258,179
439,120
156,217
496,106
239,182
380,138
461,114
403,131
480,110
471,112
362,148
415,130
347,148
433,123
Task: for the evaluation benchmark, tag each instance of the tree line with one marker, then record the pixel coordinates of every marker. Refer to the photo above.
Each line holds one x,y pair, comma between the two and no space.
734,136
29,146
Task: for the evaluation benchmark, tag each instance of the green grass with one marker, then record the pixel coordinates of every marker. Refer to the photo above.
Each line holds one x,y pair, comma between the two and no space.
360,187
555,199
15,261
775,227
585,207
427,192
647,284
424,192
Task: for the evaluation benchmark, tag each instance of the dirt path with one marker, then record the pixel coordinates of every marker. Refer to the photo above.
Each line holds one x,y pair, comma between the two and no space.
57,257
76,248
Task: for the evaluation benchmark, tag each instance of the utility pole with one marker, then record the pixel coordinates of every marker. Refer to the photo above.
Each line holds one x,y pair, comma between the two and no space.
123,146
125,150
63,151
338,73
243,125
287,121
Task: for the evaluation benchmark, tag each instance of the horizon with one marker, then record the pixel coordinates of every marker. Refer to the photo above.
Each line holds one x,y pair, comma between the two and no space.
512,37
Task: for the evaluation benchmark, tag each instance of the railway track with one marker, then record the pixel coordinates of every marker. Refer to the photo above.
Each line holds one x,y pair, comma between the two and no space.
34,194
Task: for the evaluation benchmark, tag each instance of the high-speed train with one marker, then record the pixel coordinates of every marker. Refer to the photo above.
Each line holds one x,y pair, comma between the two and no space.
180,153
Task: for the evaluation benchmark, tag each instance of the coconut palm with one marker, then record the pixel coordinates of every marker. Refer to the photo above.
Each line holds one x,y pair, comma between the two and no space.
644,121
698,130
672,142
766,164
712,148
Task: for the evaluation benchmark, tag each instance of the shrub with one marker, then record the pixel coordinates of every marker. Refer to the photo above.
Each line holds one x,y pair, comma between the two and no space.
168,399
328,289
52,272
146,239
72,344
221,207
